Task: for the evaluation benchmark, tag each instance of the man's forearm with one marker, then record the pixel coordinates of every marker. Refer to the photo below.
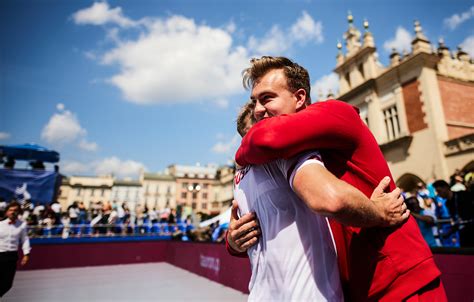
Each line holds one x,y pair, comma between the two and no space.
329,196
356,209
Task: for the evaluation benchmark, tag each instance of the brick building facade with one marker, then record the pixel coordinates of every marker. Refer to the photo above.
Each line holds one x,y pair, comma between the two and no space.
420,108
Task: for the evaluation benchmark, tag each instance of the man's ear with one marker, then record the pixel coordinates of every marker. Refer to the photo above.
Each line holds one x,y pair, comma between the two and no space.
301,97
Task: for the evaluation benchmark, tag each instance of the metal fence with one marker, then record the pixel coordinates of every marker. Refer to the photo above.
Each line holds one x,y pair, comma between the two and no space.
97,230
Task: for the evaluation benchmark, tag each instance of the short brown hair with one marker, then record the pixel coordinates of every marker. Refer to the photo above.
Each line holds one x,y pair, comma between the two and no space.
245,118
297,77
12,204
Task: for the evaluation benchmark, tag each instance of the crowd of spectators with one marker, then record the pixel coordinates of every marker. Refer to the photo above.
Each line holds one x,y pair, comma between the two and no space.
444,210
115,219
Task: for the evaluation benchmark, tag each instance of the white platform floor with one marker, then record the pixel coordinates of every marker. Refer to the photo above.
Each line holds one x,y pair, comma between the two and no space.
132,282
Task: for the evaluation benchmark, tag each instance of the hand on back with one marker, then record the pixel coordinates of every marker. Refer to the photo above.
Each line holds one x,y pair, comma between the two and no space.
392,208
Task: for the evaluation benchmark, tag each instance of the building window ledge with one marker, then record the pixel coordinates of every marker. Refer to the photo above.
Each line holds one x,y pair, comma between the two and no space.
459,145
402,141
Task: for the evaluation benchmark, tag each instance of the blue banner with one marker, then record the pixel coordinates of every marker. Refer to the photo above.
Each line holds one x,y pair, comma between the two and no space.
35,185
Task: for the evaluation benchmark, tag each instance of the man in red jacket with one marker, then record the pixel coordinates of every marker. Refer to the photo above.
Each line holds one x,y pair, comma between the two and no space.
376,264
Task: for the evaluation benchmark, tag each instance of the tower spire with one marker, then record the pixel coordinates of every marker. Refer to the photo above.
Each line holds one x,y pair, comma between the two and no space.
352,37
419,31
368,38
350,18
340,56
421,42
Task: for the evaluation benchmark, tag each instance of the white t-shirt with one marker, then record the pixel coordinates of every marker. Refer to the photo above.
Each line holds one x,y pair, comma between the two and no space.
295,258
73,212
56,207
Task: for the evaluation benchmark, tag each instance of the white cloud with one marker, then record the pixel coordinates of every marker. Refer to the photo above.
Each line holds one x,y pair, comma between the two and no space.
87,146
277,41
222,103
323,85
306,29
220,136
401,41
100,13
73,168
64,127
177,60
468,45
117,167
455,20
107,166
90,55
113,35
226,147
4,135
231,27
60,106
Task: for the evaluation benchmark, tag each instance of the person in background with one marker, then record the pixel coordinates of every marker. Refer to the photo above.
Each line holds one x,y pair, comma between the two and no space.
13,233
447,233
461,209
56,208
458,184
73,212
9,164
425,221
82,213
3,206
172,216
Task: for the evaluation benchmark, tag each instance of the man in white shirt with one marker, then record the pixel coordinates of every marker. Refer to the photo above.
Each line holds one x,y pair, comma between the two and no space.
296,259
13,232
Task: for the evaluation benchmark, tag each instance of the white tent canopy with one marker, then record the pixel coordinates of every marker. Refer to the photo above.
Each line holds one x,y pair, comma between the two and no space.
223,217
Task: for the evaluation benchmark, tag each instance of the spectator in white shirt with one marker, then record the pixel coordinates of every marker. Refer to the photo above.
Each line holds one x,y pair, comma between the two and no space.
73,212
56,208
13,232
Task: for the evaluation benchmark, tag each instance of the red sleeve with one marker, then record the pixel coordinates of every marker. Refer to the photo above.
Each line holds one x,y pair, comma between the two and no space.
324,125
233,252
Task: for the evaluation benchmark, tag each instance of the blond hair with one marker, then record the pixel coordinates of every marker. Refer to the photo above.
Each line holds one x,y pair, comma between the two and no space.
297,77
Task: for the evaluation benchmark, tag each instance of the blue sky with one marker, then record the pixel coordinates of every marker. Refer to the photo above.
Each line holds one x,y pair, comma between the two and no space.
118,86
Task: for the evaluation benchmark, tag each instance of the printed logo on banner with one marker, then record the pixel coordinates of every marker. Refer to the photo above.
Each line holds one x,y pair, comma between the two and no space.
22,194
211,263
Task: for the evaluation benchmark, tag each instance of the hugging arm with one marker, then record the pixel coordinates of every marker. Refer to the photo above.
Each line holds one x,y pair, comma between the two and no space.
327,195
325,125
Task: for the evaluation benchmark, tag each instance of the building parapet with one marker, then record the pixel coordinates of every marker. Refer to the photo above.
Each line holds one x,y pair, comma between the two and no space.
459,145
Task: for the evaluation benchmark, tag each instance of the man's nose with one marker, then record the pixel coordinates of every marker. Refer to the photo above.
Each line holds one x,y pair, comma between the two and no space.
259,111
